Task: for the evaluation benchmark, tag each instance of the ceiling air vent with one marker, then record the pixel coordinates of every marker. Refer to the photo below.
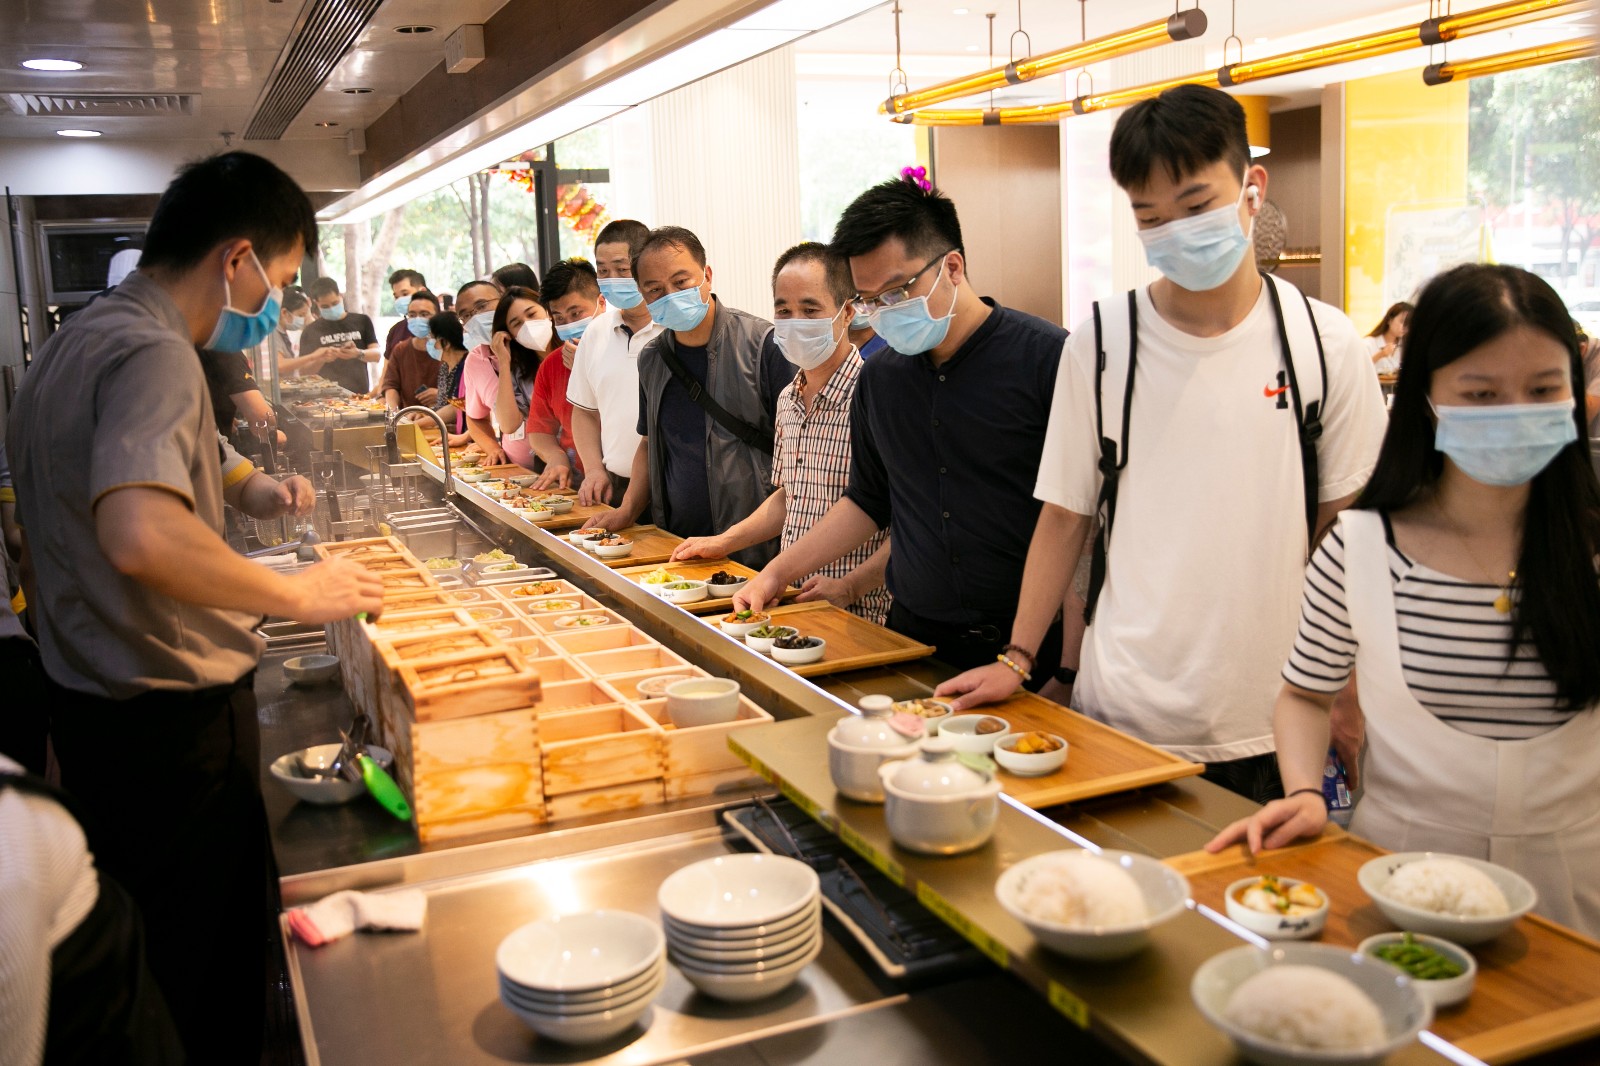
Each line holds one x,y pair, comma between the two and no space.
326,32
103,105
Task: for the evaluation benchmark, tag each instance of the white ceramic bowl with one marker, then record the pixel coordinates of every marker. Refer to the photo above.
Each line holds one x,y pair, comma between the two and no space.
929,722
580,952
800,656
557,504
1442,992
614,551
751,960
578,536
524,480
512,997
702,701
1405,1011
311,669
741,630
575,1002
1165,891
1275,926
585,1028
1375,874
472,476
854,769
806,922
1036,764
760,934
323,791
738,891
723,590
747,987
939,824
693,594
962,731
655,688
764,644
763,934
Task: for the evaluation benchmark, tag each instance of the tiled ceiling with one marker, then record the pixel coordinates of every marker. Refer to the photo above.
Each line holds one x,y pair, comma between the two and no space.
224,51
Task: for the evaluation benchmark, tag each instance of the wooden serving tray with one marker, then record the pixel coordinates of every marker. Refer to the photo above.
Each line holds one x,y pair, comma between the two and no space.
1100,760
698,570
1538,984
459,686
650,546
853,642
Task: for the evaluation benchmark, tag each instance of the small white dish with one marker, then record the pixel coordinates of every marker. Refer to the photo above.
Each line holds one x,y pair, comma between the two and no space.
702,701
749,936
811,653
962,731
1520,894
748,987
1165,892
1441,992
738,891
585,1028
311,669
1276,926
749,960
694,593
1029,764
562,1002
739,629
580,952
722,590
764,644
613,551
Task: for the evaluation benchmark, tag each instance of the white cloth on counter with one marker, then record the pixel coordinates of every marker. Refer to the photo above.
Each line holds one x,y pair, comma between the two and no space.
342,913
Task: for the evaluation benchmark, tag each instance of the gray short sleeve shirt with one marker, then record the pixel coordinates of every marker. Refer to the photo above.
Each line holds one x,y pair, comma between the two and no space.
117,399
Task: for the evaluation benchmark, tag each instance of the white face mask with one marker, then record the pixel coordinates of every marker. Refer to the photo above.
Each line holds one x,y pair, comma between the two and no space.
1200,252
805,342
479,329
535,334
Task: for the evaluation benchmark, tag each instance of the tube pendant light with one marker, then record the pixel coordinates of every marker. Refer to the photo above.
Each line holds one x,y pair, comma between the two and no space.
1442,73
1433,31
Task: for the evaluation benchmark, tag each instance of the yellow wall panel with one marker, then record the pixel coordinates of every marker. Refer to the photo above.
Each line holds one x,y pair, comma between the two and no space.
1405,143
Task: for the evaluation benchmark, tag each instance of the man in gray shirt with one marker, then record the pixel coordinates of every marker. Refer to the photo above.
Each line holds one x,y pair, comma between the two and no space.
146,617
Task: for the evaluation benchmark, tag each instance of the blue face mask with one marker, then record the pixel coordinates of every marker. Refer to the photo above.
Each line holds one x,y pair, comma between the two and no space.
573,330
402,304
433,349
1201,252
1505,444
479,329
236,330
334,313
621,293
861,321
680,311
909,327
418,327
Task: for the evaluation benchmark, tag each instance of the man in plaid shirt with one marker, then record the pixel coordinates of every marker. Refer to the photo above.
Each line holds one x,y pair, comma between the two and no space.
812,308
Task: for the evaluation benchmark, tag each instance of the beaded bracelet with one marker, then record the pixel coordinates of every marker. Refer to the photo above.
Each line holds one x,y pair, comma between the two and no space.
1020,672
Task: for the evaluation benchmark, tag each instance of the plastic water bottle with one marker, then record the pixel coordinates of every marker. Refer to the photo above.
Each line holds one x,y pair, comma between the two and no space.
1336,790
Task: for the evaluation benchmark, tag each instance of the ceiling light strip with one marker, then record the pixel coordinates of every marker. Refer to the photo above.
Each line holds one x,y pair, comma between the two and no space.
1443,73
1182,26
1433,31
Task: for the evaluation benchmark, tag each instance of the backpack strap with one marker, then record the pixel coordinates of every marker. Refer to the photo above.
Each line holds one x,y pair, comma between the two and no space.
1298,338
742,430
1112,457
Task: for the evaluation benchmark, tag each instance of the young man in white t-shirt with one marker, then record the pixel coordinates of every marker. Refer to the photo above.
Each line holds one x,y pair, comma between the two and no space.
1205,566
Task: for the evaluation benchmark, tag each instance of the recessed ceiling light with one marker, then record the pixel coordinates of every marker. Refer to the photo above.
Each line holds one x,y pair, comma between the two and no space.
356,91
961,11
52,64
413,29
325,125
77,133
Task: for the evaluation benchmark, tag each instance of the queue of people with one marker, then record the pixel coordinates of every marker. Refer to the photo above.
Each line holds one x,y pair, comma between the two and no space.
1257,530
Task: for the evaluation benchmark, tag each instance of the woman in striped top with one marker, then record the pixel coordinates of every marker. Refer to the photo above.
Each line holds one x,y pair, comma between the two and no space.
1462,588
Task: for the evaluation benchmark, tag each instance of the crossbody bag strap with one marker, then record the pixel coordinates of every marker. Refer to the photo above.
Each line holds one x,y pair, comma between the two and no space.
741,429
1112,457
1307,413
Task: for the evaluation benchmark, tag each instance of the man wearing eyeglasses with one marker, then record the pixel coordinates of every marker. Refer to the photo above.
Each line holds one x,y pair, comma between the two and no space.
708,394
947,429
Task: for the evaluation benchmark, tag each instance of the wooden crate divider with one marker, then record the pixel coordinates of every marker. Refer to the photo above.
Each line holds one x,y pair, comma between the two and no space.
701,749
456,687
598,747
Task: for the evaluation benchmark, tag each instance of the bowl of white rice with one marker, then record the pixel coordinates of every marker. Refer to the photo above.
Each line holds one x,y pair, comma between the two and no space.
1299,1003
1089,906
1465,901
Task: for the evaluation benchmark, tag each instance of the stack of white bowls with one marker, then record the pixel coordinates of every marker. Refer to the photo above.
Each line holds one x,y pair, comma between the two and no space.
582,978
742,927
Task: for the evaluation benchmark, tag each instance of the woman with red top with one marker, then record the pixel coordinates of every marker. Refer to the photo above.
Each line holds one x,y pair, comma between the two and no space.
571,293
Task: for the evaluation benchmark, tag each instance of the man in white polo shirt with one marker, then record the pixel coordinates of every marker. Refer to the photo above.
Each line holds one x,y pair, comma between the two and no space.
604,390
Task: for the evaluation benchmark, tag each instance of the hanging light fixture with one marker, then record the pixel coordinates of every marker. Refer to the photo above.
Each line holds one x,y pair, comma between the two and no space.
1443,73
1180,26
1430,32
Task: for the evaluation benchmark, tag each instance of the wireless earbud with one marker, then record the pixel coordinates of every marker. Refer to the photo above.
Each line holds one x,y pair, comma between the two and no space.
1255,196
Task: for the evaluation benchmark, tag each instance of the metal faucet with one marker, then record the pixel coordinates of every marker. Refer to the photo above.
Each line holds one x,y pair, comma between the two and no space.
444,437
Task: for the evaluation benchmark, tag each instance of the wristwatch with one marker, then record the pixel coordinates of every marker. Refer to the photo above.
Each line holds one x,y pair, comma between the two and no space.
1066,675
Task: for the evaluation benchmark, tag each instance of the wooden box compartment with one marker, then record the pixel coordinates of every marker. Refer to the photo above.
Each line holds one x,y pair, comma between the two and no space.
738,779
403,581
510,629
627,685
568,622
485,613
629,660
532,647
472,641
555,668
608,638
501,821
701,749
471,595
356,549
389,563
543,606
570,695
598,747
436,618
533,590
458,687
415,600
601,800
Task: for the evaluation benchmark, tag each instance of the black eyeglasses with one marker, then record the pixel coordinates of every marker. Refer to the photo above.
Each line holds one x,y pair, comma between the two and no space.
900,293
466,314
